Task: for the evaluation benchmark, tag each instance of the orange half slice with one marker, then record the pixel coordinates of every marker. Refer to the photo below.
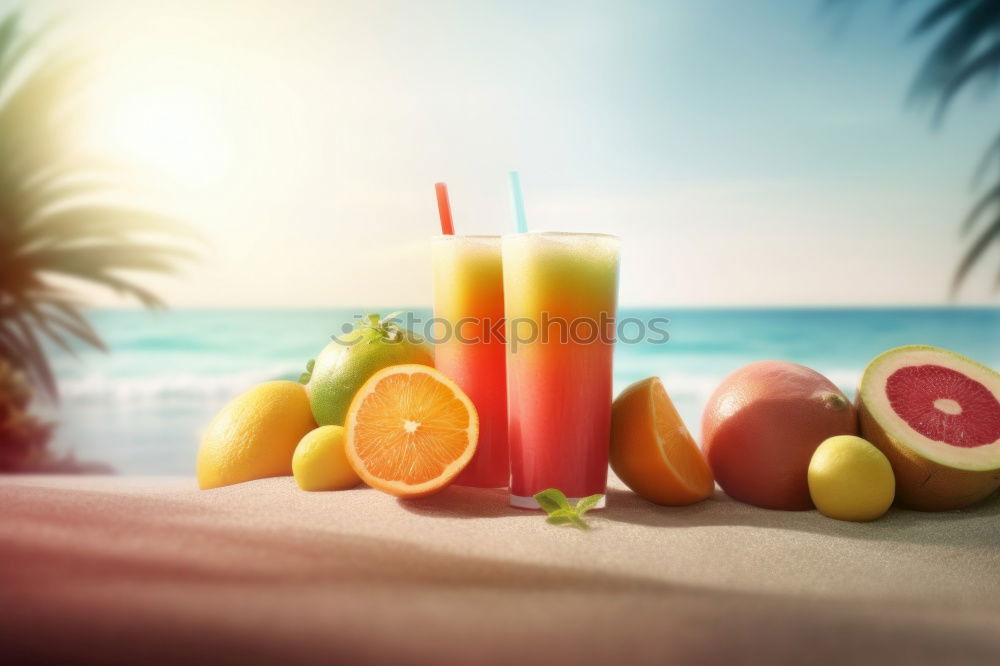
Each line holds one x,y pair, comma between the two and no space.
410,430
652,451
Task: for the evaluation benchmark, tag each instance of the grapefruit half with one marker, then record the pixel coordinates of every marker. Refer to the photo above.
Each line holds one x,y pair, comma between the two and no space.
936,417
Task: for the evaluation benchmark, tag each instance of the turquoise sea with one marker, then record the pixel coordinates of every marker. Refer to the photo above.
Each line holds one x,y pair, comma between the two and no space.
140,408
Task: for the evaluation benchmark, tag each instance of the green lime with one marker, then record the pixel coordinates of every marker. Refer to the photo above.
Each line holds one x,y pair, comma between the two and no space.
347,362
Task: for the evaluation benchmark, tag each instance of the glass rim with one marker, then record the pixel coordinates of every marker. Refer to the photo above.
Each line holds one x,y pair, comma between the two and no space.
443,237
584,234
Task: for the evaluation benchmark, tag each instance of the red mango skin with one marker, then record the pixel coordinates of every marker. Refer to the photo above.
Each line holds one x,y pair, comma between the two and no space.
761,427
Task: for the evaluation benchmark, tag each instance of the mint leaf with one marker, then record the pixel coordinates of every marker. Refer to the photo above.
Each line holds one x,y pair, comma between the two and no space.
552,500
564,516
586,504
554,503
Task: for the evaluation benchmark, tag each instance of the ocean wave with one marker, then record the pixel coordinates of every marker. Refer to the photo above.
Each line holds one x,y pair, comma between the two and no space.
700,385
98,387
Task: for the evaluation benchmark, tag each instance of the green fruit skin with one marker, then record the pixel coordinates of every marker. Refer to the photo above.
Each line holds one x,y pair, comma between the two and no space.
347,362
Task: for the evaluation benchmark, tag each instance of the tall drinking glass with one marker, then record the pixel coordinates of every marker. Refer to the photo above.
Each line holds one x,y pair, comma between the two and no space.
468,301
561,292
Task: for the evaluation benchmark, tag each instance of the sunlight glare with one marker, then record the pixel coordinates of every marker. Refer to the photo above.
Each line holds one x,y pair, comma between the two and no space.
171,130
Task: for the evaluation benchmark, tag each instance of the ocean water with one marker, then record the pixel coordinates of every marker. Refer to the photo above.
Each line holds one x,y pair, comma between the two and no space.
141,407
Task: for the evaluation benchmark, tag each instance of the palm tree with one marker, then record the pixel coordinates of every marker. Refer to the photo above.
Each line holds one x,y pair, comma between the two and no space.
965,53
56,233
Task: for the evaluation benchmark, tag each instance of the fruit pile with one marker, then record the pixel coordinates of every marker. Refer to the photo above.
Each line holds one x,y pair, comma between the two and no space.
924,432
370,408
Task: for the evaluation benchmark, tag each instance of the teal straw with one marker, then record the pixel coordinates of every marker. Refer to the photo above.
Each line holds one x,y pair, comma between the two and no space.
517,203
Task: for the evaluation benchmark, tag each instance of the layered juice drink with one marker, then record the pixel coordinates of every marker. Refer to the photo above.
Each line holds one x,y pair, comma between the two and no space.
468,299
561,292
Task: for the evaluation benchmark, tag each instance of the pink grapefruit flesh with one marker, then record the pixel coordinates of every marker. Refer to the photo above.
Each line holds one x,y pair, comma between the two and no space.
945,405
936,416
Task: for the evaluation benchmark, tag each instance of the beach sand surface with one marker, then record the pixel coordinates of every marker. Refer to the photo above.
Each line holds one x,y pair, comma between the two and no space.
126,570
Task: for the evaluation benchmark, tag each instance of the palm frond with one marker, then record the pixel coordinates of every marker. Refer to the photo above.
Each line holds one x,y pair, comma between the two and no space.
87,223
15,47
986,63
70,260
8,35
938,13
59,313
34,361
990,158
99,170
18,355
55,219
46,324
78,327
989,198
40,140
971,31
989,236
40,193
965,51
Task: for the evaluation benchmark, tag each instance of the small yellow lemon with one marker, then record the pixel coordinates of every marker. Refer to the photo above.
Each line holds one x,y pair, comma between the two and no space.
255,435
320,461
850,479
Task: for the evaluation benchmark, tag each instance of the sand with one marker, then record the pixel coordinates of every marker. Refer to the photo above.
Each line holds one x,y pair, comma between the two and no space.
151,570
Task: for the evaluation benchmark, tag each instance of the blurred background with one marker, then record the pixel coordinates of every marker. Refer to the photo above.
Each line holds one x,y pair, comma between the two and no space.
814,181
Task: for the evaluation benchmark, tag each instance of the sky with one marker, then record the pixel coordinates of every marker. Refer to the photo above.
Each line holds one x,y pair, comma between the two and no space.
748,153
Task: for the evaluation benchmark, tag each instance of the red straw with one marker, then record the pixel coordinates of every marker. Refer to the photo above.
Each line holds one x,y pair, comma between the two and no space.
444,209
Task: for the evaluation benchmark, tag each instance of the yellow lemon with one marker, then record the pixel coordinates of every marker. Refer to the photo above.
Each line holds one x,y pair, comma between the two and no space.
255,435
320,461
850,479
